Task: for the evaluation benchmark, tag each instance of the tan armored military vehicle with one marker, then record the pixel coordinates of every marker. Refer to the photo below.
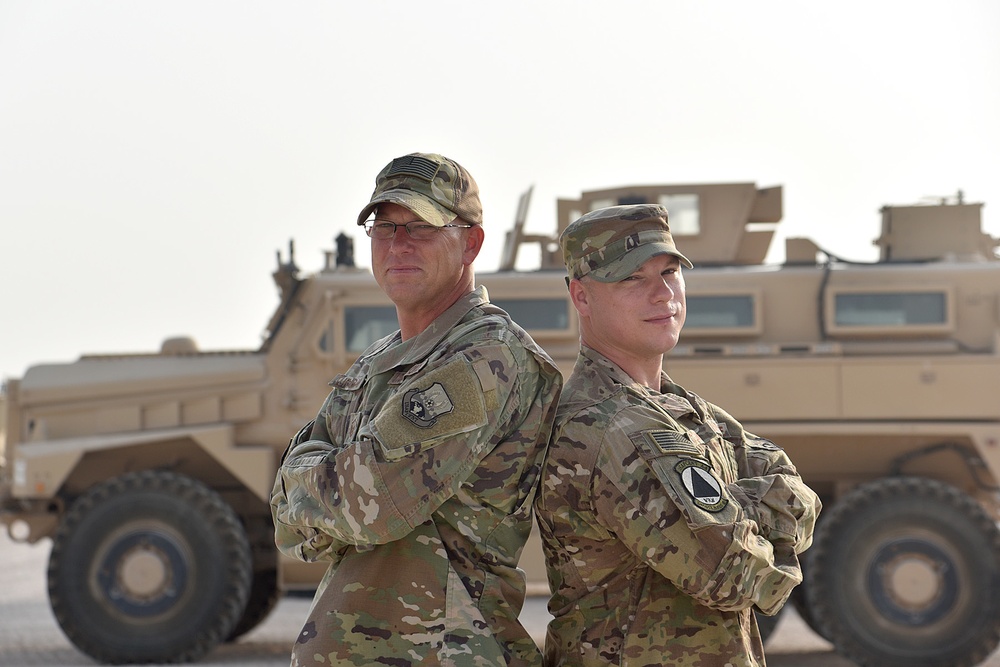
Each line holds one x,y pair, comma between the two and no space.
151,473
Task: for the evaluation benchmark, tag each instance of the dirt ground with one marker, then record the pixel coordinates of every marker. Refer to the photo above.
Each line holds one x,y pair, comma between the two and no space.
29,634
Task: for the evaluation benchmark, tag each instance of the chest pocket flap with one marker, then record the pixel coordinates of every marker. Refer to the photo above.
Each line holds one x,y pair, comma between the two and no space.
429,409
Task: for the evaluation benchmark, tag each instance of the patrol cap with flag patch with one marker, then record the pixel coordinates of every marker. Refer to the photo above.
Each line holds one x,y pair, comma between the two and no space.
611,243
434,187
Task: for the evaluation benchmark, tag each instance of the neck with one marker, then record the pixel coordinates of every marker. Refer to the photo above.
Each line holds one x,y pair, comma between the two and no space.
413,321
645,371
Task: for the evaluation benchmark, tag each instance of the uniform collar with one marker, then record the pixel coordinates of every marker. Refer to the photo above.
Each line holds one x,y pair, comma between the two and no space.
674,398
418,348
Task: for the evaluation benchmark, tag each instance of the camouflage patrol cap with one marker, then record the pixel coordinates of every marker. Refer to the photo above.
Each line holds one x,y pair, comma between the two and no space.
610,244
434,187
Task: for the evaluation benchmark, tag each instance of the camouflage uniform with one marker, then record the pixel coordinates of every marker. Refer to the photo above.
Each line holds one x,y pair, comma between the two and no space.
663,522
415,482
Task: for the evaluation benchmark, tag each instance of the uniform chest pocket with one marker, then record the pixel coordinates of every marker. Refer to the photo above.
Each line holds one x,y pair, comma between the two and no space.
344,408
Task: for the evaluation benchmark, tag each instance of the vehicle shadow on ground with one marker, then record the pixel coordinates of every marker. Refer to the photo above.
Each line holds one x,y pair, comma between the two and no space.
815,659
247,654
258,653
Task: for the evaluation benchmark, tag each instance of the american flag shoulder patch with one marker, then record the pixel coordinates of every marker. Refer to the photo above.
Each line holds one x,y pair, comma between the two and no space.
671,442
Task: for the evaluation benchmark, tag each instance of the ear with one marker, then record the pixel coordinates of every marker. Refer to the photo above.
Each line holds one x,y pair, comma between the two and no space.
579,296
473,243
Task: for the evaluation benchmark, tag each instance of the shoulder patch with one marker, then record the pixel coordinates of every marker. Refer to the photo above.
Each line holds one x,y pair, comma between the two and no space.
701,484
671,442
430,408
424,406
757,442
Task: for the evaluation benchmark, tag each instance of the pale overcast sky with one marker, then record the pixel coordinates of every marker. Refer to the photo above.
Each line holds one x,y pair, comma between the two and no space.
154,155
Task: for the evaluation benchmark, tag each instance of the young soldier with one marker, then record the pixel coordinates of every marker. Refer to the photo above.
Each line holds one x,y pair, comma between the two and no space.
416,479
663,521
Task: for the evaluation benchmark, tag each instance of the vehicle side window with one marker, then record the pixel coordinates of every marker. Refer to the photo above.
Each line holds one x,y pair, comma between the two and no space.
891,309
684,213
363,325
537,314
721,312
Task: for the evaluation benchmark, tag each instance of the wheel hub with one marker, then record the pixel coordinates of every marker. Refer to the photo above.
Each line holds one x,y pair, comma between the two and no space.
913,582
142,574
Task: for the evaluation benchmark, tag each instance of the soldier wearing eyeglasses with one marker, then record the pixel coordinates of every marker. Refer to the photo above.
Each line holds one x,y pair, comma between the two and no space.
415,481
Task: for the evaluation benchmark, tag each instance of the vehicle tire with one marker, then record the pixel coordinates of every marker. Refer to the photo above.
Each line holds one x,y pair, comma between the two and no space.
150,566
264,592
800,601
767,624
264,597
906,572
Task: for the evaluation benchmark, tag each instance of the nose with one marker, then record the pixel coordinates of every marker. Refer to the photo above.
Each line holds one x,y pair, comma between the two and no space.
400,241
661,290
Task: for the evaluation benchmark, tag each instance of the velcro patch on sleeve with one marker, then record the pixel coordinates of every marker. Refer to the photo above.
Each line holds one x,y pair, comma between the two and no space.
429,408
671,443
701,485
488,382
756,442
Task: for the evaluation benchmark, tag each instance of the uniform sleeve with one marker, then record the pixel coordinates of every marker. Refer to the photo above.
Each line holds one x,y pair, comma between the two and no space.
411,456
667,505
770,489
295,523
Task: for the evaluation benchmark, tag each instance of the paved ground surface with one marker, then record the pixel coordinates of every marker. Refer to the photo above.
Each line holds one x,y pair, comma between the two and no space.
29,634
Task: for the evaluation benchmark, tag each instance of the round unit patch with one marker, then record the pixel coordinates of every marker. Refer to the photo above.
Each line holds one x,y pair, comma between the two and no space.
701,484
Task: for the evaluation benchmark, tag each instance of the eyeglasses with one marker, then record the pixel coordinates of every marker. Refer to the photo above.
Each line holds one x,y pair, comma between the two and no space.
417,229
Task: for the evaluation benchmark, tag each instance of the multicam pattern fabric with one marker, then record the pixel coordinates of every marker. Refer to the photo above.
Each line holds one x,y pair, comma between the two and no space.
663,523
437,189
415,482
611,243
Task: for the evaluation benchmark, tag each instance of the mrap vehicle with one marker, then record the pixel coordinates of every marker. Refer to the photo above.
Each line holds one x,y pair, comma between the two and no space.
151,473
